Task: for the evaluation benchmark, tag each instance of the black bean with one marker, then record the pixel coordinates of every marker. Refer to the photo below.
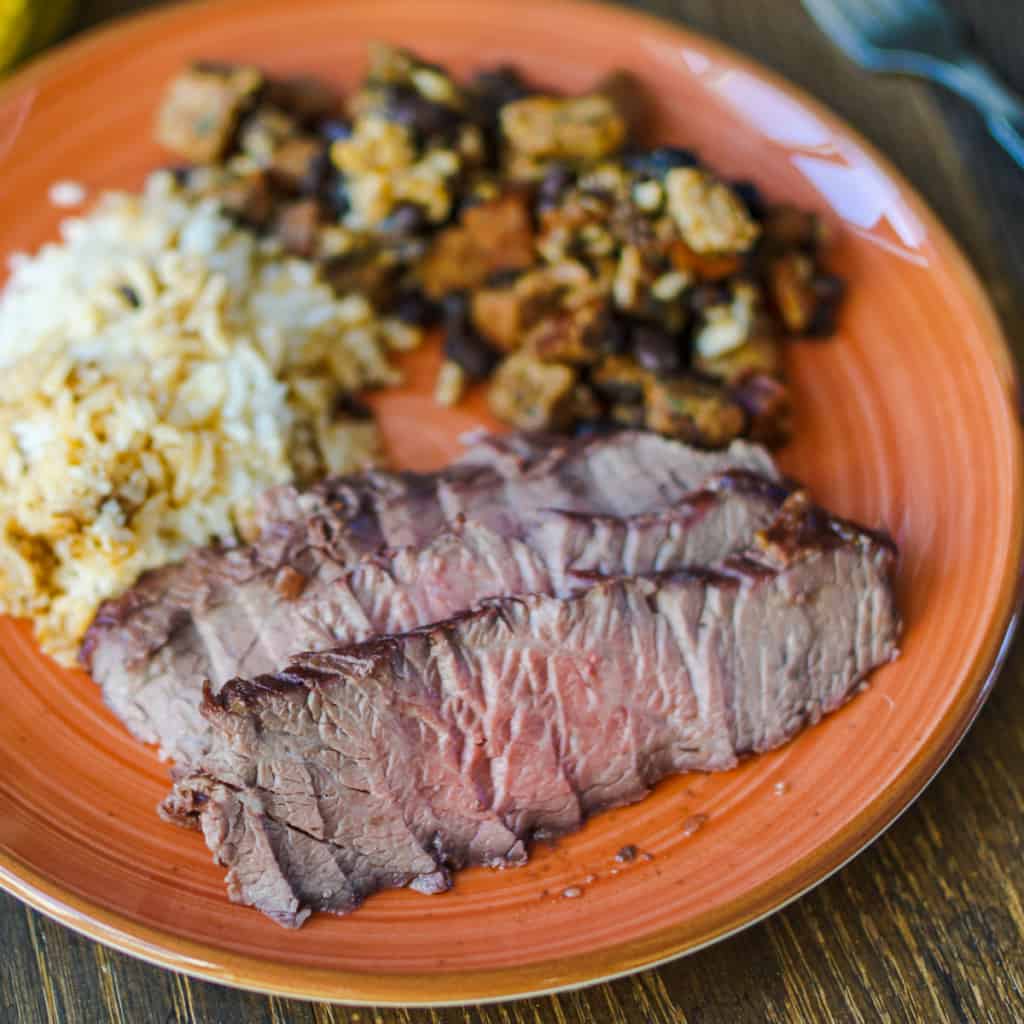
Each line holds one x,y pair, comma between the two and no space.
405,219
828,291
335,195
555,181
415,308
335,129
655,163
708,294
462,345
455,308
612,333
181,174
494,87
348,407
829,288
751,196
504,277
656,350
130,295
426,120
316,175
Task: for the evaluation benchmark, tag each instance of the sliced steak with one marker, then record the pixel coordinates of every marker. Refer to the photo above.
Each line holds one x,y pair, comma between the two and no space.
392,762
245,610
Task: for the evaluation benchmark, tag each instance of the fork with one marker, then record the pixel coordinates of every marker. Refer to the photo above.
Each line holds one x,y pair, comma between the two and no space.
920,37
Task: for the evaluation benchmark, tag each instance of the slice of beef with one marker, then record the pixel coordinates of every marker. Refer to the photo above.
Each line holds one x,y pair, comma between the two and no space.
244,610
393,762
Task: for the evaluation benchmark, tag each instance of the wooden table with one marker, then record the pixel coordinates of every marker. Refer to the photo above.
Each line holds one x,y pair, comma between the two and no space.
928,924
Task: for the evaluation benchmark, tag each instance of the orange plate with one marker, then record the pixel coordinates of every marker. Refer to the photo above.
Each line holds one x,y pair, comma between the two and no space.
906,419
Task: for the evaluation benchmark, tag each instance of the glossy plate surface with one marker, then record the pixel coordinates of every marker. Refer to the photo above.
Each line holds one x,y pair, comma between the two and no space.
907,419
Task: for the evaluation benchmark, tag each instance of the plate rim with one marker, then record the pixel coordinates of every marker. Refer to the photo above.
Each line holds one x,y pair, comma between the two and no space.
165,949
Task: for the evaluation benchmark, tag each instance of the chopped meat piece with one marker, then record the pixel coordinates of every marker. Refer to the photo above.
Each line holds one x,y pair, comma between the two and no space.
620,379
828,292
248,197
624,414
791,280
308,100
630,97
691,410
389,65
766,401
492,236
532,395
787,227
297,163
263,131
541,128
704,266
498,315
504,313
297,226
709,215
573,333
585,404
370,272
203,108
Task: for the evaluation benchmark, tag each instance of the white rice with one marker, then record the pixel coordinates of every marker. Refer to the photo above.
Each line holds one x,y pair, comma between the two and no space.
161,368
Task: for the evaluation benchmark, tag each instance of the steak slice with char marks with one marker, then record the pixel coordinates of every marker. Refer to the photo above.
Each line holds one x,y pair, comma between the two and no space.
245,610
392,762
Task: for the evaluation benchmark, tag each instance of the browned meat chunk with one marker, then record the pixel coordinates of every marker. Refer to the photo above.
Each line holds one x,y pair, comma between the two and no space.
297,226
491,237
248,197
295,164
533,395
693,411
309,100
709,214
503,314
791,279
370,272
572,334
767,404
202,110
704,266
579,128
787,227
620,379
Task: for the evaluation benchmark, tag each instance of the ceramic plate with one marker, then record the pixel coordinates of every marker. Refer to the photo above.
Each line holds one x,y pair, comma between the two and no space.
906,419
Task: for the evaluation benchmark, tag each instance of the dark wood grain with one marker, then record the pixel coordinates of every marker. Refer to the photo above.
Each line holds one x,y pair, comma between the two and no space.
928,924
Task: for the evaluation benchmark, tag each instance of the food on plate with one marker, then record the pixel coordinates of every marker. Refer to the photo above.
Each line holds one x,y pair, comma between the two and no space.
394,762
163,367
371,679
354,557
554,247
449,621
